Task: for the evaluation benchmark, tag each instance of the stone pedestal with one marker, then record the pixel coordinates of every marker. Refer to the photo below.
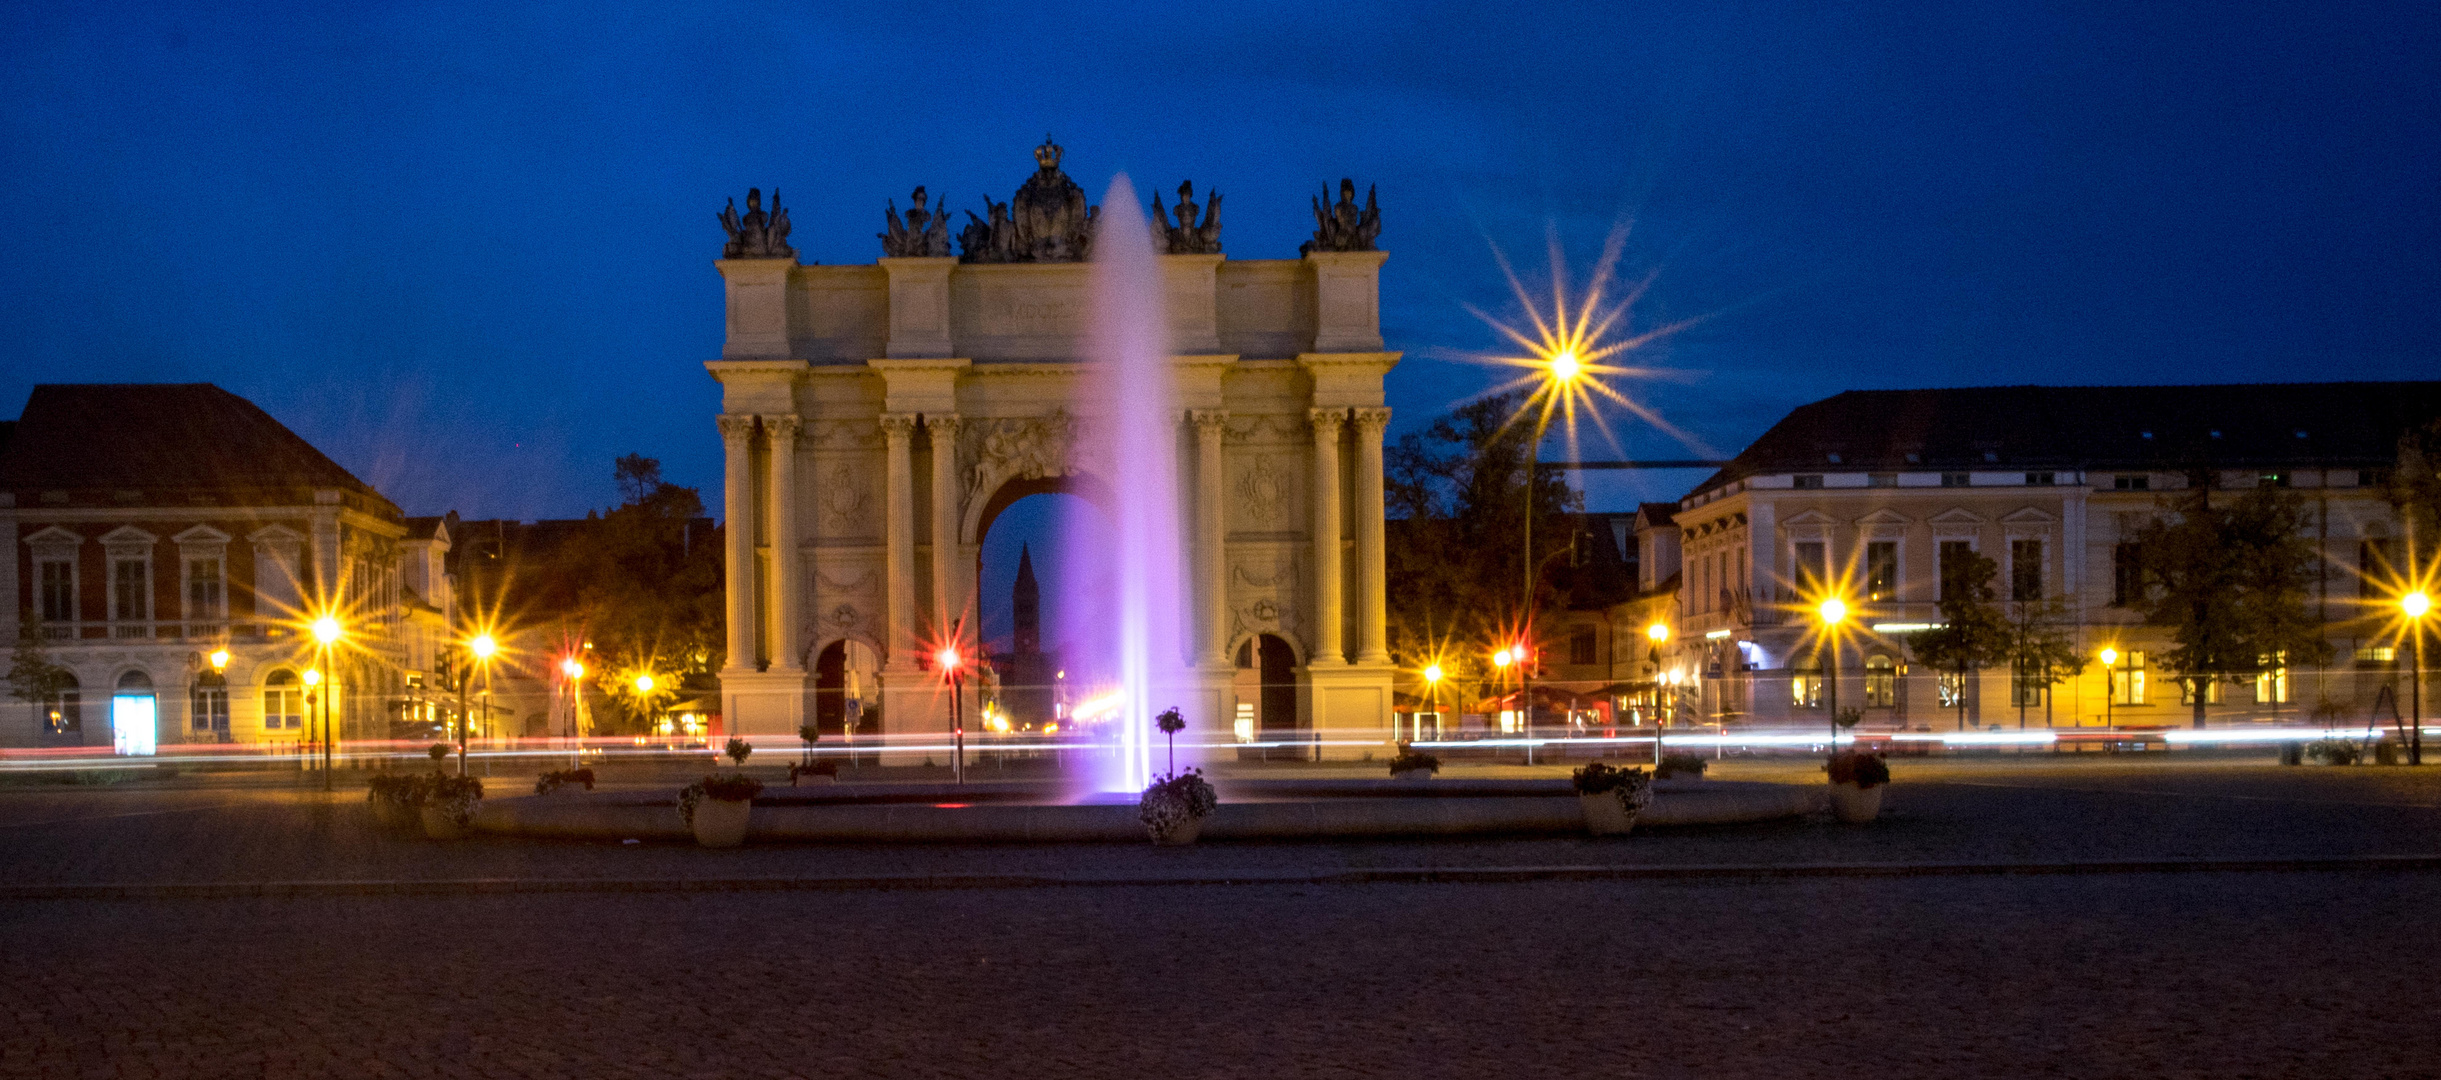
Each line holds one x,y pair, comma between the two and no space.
758,308
1350,705
765,702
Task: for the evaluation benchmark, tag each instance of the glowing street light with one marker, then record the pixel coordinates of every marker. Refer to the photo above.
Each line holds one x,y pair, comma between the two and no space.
2415,605
644,684
326,629
482,647
1833,612
2110,681
220,660
948,660
1659,632
313,677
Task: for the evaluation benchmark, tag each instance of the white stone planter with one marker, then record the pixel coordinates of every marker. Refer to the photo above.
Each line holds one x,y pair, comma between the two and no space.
1181,834
440,824
720,823
1855,805
1606,814
394,815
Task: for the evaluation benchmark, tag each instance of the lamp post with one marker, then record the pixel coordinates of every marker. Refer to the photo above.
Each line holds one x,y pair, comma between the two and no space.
1659,634
948,659
2110,682
480,649
1500,668
575,671
313,703
1833,612
327,633
1432,690
2415,605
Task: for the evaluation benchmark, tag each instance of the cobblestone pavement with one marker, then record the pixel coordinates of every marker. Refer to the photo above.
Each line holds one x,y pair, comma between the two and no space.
2176,975
1953,810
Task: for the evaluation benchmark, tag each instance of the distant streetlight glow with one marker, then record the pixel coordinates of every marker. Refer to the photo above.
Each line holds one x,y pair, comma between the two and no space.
2415,604
313,677
644,684
220,660
1432,673
571,668
326,629
1501,659
1659,632
2110,656
1833,611
482,646
947,658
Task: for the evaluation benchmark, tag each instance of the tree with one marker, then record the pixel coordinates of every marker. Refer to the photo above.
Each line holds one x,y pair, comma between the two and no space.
1455,562
646,582
2414,489
1973,633
2231,583
32,676
2042,645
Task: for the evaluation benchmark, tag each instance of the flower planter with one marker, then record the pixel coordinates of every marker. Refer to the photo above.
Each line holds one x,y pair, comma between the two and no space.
1856,805
1180,834
1606,814
442,824
394,815
721,823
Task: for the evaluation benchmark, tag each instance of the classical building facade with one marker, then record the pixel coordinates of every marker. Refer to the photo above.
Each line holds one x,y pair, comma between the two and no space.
1873,489
878,417
155,529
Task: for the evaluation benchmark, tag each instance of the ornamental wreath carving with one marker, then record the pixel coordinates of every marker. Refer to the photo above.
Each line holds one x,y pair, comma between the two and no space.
844,499
1263,491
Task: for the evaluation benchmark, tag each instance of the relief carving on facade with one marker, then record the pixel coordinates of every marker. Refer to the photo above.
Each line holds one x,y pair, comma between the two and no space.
845,496
996,451
1283,430
1263,491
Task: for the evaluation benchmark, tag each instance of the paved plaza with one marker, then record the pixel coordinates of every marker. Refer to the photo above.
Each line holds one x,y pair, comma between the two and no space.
2116,974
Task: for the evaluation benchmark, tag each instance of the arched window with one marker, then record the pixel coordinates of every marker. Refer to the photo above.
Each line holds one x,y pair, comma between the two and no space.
283,702
63,711
1881,682
135,715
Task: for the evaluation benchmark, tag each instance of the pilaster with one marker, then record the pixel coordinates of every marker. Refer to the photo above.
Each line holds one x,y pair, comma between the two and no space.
1212,531
948,598
1328,649
758,308
898,431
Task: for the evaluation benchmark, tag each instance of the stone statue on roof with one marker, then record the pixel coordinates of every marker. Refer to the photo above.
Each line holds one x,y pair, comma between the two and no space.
1054,223
1189,236
924,233
756,235
1341,226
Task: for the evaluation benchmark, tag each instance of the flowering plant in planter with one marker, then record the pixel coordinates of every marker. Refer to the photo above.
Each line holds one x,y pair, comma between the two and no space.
737,750
438,751
1679,764
1633,786
825,767
396,789
453,796
1410,760
1174,803
1862,770
557,779
734,787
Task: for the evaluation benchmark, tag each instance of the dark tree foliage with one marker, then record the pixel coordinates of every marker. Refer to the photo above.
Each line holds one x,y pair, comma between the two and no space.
1456,498
643,583
1973,634
2230,580
2414,488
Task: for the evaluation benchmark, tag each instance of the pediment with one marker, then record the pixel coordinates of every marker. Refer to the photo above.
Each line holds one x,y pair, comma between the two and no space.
128,536
276,534
1811,517
2028,516
54,538
1957,515
202,534
1883,516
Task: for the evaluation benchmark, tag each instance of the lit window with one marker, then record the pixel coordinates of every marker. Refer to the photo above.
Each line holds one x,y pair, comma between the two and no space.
1805,688
2377,654
2127,680
2271,684
63,713
1953,690
1881,682
283,702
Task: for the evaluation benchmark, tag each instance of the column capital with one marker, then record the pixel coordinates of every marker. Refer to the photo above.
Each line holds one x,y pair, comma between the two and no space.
1326,420
783,427
1371,419
942,423
1209,420
736,429
898,425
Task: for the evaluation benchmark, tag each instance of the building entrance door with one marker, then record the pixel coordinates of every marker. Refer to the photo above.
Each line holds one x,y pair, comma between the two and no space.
135,716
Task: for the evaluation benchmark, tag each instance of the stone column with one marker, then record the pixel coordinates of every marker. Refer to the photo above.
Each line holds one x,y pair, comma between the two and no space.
1373,610
899,559
737,495
948,600
787,563
1328,650
1211,533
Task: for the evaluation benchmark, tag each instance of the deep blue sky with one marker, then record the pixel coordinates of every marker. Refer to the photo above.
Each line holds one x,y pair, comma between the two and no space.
467,250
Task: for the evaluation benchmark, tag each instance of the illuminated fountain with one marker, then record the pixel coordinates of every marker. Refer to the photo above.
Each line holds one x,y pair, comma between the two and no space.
1128,392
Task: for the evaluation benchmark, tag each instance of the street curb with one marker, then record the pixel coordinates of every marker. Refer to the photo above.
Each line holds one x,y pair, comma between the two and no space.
1489,875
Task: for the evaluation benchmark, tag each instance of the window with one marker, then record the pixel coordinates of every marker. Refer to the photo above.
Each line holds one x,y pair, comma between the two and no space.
2026,687
1882,570
1953,690
1881,682
2271,684
1582,647
2373,564
63,713
1882,479
2377,654
2025,569
1954,557
206,598
2126,575
58,584
1813,566
2186,691
208,705
2127,680
2041,479
131,583
1805,688
1809,482
283,702
1957,479
2131,483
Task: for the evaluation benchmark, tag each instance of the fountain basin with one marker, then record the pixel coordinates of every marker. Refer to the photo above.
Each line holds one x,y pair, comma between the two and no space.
1263,810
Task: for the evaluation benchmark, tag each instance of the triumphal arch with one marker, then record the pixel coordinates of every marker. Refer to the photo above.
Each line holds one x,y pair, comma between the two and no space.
877,416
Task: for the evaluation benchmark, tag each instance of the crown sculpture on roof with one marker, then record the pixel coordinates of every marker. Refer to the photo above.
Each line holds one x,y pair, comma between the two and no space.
1341,226
756,235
